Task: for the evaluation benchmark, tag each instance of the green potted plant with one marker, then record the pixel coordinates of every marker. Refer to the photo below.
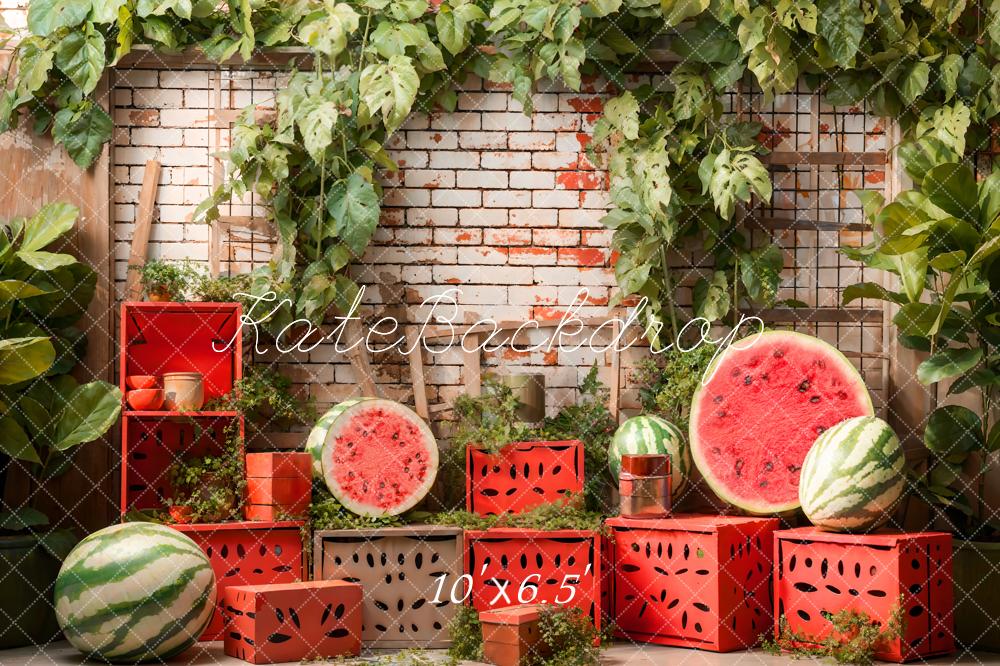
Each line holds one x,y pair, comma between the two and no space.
46,413
165,281
941,239
209,489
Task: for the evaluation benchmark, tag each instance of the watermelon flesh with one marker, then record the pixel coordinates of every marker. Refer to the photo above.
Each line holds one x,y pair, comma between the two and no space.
379,458
763,405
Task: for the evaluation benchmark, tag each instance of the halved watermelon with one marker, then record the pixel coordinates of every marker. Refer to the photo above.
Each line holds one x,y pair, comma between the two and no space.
762,405
377,457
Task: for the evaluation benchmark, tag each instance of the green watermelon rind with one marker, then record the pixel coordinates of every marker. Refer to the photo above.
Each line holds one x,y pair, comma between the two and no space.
702,464
860,461
317,436
342,418
631,438
128,582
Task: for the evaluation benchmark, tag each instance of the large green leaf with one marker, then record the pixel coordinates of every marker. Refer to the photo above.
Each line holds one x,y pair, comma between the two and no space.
89,412
760,271
842,25
22,359
948,363
711,298
327,30
917,319
455,22
49,223
21,518
47,16
46,261
870,290
354,206
14,441
952,188
952,430
317,117
11,290
390,89
81,57
677,11
83,129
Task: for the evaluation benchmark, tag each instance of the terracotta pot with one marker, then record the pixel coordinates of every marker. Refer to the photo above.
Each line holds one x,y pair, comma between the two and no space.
977,606
180,514
146,399
160,296
183,391
141,381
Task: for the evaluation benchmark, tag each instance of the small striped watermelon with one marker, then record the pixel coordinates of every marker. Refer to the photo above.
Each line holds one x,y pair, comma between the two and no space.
377,457
135,592
853,475
651,434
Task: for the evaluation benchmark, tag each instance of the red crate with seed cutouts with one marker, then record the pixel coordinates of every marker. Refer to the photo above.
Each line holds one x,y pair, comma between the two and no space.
819,573
559,566
522,476
293,621
692,581
246,553
279,485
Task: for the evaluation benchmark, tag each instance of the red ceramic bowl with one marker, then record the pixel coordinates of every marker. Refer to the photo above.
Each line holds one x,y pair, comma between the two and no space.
145,400
141,381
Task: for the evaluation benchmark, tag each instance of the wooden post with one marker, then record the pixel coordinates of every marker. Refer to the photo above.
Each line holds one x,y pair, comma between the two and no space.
143,226
416,358
472,373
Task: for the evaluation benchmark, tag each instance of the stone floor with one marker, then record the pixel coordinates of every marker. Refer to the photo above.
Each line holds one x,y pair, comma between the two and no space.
211,654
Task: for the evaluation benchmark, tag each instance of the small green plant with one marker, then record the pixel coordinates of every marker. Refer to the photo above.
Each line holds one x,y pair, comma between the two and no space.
166,281
569,637
489,420
666,388
466,632
566,514
223,288
211,488
264,396
854,639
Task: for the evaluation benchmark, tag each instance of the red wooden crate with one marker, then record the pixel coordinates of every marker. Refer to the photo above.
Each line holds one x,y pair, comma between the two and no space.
521,476
818,573
279,465
157,338
151,444
293,621
692,581
245,553
563,566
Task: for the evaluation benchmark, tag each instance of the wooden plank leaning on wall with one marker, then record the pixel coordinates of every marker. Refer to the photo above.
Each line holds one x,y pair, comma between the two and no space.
35,172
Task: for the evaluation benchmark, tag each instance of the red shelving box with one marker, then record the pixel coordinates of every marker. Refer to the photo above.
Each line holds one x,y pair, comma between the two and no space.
247,553
157,338
559,566
818,573
692,581
521,476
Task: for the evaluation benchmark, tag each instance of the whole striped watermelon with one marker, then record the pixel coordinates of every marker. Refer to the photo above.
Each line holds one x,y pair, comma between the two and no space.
377,457
853,476
652,434
135,592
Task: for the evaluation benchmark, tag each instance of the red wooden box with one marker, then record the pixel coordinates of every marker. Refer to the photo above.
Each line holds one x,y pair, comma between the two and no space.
561,566
279,465
279,485
692,581
521,476
157,338
818,573
293,621
511,636
152,443
245,553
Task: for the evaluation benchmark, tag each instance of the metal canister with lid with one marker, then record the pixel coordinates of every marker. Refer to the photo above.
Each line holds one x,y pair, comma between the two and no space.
644,486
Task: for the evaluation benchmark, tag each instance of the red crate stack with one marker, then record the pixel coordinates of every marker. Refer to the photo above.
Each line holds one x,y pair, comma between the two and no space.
820,573
158,338
692,581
